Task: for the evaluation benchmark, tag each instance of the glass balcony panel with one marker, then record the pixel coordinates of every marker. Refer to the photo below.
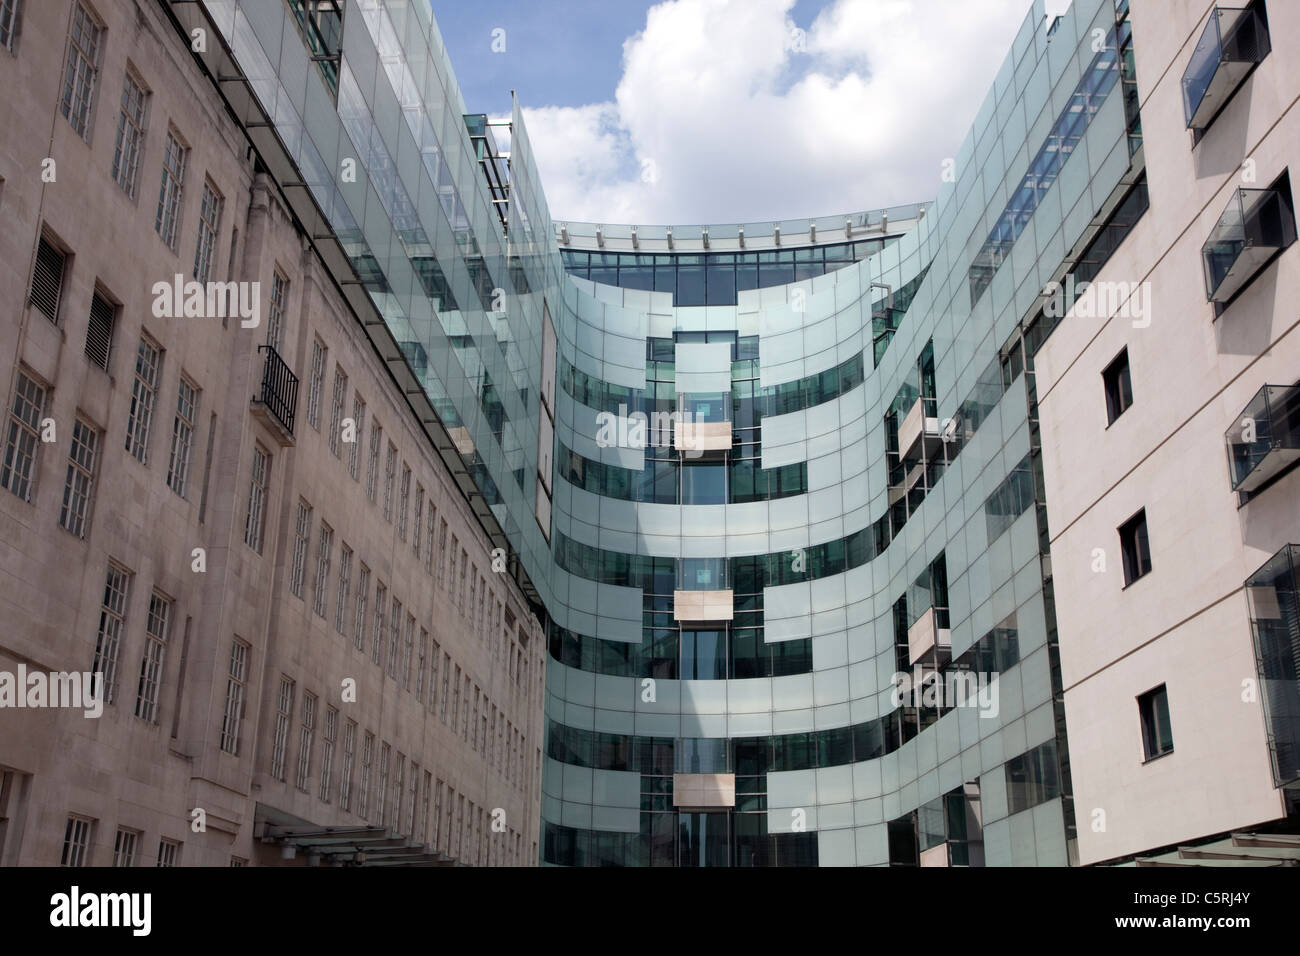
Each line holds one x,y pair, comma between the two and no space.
1233,41
1256,224
1273,594
1265,438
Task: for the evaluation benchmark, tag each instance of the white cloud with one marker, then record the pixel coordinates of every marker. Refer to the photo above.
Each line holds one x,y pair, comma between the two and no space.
725,114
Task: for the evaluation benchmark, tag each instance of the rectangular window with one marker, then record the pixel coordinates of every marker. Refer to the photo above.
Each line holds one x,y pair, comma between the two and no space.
301,541
403,501
1119,387
417,527
455,699
76,841
422,823
318,353
430,520
1157,737
399,782
363,790
408,646
276,313
259,484
99,330
167,219
283,714
420,663
324,552
209,229
412,799
464,571
345,582
349,756
8,23
442,550
381,798
390,474
372,466
358,421
169,853
306,735
130,135
434,651
151,664
1135,546
187,413
377,638
125,846
47,279
327,751
363,593
236,687
78,488
336,408
144,388
81,70
112,622
394,636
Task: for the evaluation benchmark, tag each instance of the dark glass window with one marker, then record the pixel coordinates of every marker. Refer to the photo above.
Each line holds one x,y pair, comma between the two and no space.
704,484
1135,547
704,655
1157,737
1119,387
702,839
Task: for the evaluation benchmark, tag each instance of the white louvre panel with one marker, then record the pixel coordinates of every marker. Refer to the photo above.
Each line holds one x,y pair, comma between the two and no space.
99,334
47,280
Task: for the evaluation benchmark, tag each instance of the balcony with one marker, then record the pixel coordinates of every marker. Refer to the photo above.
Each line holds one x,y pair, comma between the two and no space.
1273,595
1256,225
918,432
1233,42
277,400
929,633
1264,440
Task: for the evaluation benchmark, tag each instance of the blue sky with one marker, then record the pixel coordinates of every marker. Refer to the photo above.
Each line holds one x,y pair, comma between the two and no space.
724,111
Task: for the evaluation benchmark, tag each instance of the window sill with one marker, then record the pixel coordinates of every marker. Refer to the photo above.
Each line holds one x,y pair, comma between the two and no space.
1150,760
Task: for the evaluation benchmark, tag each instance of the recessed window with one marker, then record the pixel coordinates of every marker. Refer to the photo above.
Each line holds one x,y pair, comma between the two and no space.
1157,737
144,388
81,70
76,841
1119,387
99,330
1135,547
79,486
209,229
130,135
22,438
8,23
157,628
47,279
167,219
704,655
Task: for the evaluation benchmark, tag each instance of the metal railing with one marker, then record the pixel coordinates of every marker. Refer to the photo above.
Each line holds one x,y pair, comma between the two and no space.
279,388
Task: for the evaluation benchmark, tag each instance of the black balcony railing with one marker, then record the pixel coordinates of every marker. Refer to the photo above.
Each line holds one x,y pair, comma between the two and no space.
1274,596
1265,438
279,388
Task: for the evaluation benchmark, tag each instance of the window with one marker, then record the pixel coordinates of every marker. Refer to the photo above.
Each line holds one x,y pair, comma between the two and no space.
420,662
403,501
306,735
276,313
257,492
408,643
209,227
358,423
363,590
77,489
336,409
130,135
8,23
1119,387
372,467
381,798
363,791
236,685
302,538
345,576
464,570
399,779
167,219
151,664
187,413
446,679
144,388
99,330
18,473
327,752
323,553
1135,547
349,755
283,710
125,845
76,841
47,279
236,861
377,638
394,635
434,651
169,853
81,70
417,526
431,520
390,473
108,639
318,352
442,550
1157,737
